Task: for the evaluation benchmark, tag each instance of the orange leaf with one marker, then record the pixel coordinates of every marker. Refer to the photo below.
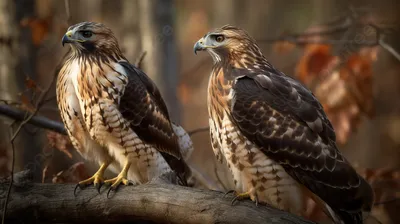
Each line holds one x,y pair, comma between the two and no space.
183,93
73,174
39,28
26,103
345,89
60,142
315,60
30,83
283,47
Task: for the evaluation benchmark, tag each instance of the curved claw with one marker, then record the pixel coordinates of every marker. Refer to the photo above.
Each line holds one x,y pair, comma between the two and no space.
241,196
98,187
130,182
76,187
109,190
96,179
229,192
233,200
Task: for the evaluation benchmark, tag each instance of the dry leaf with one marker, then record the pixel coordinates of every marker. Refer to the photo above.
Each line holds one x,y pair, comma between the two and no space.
283,47
39,28
183,93
343,88
74,174
60,142
26,103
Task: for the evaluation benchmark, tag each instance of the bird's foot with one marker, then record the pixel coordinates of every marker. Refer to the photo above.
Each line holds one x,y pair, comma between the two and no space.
97,179
116,181
120,179
242,196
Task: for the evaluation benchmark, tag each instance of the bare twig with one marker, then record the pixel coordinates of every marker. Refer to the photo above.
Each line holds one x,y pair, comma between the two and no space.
27,118
205,180
389,48
11,181
300,41
10,102
219,179
197,130
39,103
350,22
386,201
49,99
139,60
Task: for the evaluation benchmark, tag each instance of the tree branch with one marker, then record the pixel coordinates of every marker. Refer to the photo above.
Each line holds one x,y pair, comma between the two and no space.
157,201
349,22
36,120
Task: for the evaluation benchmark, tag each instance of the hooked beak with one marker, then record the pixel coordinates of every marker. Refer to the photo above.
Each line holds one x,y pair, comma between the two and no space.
67,38
199,46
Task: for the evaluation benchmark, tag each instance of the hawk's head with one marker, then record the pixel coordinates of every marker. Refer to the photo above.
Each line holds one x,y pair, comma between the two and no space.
229,43
91,37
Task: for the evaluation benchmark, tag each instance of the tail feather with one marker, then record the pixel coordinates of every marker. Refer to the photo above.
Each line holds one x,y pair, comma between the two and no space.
186,148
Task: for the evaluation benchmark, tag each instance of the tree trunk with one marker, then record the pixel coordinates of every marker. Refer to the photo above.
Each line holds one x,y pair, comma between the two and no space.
158,40
130,44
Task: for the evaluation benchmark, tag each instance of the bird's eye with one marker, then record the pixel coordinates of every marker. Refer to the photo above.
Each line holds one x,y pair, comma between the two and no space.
219,38
87,34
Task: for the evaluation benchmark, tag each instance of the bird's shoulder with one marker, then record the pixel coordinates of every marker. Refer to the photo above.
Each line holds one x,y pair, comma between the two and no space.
285,95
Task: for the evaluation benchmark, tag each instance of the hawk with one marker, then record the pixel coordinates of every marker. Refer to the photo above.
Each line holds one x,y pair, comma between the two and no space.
113,112
274,134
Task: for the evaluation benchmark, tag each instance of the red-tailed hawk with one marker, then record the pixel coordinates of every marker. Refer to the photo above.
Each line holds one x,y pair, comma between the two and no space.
274,134
114,113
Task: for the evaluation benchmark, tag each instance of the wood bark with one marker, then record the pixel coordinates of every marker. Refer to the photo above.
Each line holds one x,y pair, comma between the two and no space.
156,202
158,33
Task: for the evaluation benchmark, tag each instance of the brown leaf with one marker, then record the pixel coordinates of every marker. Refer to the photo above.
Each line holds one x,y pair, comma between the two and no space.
314,62
60,142
343,88
183,93
73,174
26,103
30,83
385,182
39,28
283,47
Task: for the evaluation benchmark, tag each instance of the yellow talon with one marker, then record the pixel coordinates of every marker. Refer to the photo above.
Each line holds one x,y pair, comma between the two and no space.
243,196
117,181
121,178
97,178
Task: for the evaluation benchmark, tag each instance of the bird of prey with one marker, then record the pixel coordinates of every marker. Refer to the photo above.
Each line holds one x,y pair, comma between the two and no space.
114,113
274,134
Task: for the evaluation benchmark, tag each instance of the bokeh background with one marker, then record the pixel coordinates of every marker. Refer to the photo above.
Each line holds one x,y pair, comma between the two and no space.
347,52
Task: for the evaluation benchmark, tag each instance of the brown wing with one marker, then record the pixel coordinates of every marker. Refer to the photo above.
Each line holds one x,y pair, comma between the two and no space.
289,124
144,107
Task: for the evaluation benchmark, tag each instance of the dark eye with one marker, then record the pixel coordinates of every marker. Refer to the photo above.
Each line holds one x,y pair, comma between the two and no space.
219,38
87,34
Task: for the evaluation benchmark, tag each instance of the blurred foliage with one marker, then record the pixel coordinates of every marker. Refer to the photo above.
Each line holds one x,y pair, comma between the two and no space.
344,87
343,82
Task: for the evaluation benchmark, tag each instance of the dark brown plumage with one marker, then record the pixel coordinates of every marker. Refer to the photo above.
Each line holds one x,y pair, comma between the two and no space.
277,116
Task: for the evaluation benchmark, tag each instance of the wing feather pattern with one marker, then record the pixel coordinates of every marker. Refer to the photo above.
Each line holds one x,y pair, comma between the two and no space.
144,107
288,123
